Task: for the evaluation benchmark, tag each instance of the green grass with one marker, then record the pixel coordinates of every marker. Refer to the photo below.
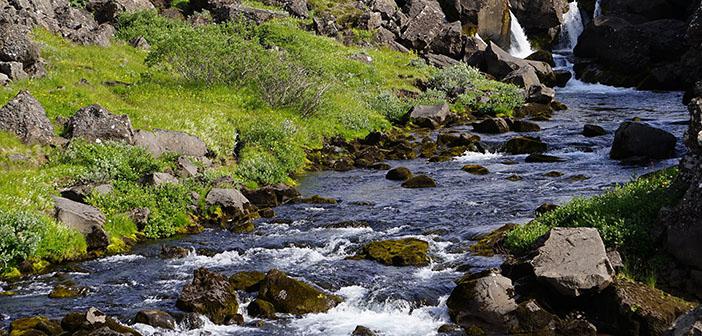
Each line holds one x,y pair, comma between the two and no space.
624,217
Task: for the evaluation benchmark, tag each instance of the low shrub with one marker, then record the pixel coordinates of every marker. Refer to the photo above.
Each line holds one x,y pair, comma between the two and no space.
390,105
110,161
20,233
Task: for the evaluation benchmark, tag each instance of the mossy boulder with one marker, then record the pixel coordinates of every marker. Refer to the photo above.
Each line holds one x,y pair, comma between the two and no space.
247,281
209,294
293,296
37,325
398,174
419,181
631,308
524,145
487,245
65,291
262,309
476,169
399,252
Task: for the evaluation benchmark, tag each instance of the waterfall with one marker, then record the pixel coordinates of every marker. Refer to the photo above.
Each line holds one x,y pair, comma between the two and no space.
519,44
571,28
598,9
480,38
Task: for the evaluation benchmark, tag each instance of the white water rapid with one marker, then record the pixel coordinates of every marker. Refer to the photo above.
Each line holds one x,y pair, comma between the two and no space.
598,9
519,44
571,28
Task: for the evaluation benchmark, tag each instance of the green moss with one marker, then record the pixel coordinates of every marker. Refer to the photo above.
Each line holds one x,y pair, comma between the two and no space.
487,246
400,252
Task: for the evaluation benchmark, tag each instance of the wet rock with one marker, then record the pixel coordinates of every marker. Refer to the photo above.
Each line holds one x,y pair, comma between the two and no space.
191,321
398,174
293,296
247,281
452,139
485,298
689,324
65,291
25,117
85,219
524,145
348,224
591,131
535,111
476,169
380,166
543,158
400,252
514,178
82,323
157,179
540,94
156,318
520,125
173,252
37,325
488,244
638,139
271,196
316,199
159,142
363,331
419,181
491,126
573,261
235,208
578,177
533,320
96,124
209,294
562,77
429,116
632,308
261,308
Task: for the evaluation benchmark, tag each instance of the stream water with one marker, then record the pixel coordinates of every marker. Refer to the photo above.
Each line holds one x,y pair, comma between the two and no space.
392,300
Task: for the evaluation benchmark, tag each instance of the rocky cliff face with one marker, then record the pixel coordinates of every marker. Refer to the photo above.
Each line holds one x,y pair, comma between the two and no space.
645,44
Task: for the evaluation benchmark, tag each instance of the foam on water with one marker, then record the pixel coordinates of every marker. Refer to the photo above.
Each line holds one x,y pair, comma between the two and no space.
390,318
121,258
476,156
572,27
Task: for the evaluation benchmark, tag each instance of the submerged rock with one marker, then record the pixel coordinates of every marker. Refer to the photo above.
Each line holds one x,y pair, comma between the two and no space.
400,252
591,131
25,117
573,261
363,331
65,291
635,139
419,181
293,296
476,169
209,294
524,145
542,158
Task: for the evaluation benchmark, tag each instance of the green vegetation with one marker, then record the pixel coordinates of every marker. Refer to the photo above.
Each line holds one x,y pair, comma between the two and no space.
624,216
270,92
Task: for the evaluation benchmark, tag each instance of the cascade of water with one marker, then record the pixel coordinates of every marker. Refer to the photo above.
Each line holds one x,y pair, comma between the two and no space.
598,9
519,44
480,38
571,28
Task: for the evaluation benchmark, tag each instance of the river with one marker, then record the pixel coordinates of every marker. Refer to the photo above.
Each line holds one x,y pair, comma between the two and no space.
394,300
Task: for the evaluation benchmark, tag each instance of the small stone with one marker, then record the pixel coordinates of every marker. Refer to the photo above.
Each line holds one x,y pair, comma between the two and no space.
173,252
363,331
554,174
398,174
476,169
590,130
514,178
419,181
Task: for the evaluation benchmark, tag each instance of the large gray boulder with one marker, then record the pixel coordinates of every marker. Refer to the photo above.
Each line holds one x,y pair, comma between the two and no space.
485,298
16,46
25,117
573,261
425,23
501,64
430,116
159,142
635,139
85,219
96,124
689,324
